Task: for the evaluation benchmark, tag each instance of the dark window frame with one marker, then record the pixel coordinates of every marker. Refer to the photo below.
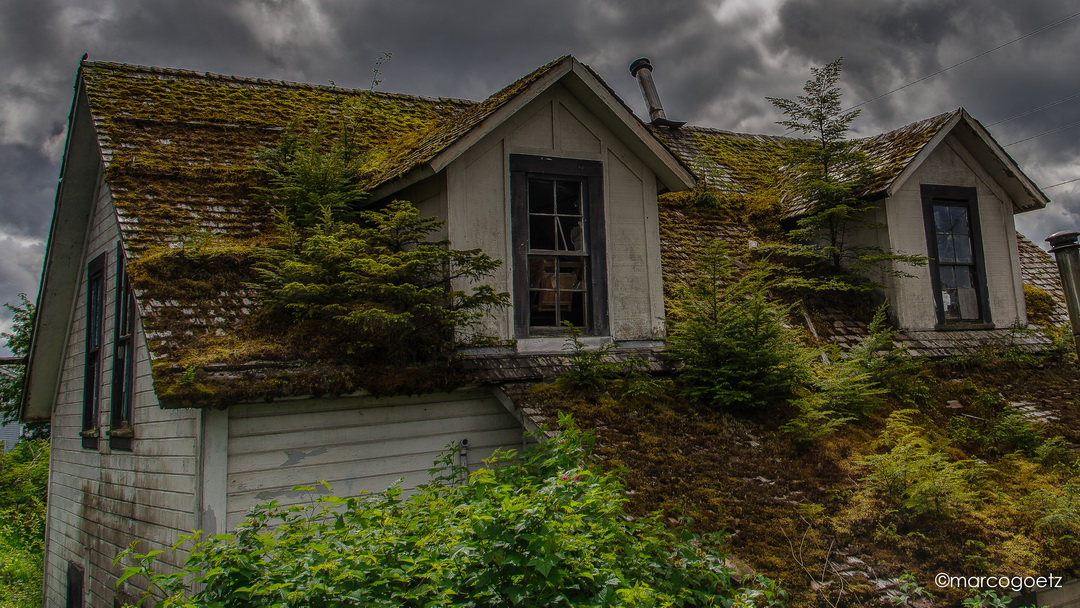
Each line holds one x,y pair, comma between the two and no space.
121,426
94,341
591,174
966,197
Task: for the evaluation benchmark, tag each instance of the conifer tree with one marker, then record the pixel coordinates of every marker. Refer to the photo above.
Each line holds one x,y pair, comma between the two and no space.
830,178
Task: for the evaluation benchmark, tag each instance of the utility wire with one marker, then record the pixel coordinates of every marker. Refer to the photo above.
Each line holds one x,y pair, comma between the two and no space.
1038,109
1068,181
982,54
1062,128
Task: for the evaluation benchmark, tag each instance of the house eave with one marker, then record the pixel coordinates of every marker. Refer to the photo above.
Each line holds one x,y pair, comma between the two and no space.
79,174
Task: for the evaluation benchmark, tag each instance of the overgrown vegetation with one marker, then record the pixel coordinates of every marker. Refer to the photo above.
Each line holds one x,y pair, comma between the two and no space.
547,528
732,338
907,489
24,476
369,291
830,175
372,284
11,376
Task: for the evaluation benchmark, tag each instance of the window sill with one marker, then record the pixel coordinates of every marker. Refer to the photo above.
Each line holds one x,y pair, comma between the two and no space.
964,326
120,438
90,438
125,432
557,344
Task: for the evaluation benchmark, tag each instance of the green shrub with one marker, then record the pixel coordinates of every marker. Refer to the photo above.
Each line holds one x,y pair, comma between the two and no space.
545,529
732,339
1003,432
595,371
1055,451
1059,509
847,386
24,475
376,290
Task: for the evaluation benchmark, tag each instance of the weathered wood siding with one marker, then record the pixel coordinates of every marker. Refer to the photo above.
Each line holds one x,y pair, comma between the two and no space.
359,444
913,298
101,500
557,124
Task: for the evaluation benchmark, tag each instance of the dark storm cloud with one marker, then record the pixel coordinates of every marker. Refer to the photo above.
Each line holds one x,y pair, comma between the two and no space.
29,184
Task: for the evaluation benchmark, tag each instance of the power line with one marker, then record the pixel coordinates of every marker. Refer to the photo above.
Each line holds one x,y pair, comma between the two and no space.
1038,109
1068,181
982,54
1062,128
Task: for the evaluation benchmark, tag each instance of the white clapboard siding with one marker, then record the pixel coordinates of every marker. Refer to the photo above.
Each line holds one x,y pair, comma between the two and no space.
101,501
357,444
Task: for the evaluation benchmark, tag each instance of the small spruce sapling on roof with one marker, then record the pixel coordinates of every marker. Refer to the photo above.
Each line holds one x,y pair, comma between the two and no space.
365,286
830,176
736,348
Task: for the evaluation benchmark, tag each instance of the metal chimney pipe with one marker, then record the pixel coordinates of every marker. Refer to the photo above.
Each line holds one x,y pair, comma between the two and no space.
641,69
1066,251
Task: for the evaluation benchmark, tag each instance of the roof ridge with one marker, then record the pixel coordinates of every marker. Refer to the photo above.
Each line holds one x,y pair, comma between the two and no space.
271,82
922,121
765,136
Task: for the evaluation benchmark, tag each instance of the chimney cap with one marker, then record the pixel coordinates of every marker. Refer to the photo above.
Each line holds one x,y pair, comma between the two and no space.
1064,239
639,63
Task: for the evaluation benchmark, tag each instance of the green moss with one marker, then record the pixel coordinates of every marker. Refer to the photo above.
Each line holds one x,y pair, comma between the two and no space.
791,507
1041,306
184,178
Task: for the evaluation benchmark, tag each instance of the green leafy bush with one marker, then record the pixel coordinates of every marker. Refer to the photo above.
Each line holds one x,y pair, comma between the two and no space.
24,475
544,529
11,376
732,339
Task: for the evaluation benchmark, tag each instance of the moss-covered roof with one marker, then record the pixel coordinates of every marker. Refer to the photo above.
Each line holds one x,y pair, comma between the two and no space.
179,151
179,145
749,166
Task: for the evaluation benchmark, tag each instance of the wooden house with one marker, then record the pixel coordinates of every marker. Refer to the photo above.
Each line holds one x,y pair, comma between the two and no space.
165,420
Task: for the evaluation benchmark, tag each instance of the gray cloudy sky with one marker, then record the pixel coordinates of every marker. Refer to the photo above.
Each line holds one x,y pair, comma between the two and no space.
716,61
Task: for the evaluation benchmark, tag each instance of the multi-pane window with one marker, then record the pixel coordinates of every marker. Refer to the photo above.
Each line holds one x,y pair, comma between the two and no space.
95,318
955,252
123,358
559,273
558,258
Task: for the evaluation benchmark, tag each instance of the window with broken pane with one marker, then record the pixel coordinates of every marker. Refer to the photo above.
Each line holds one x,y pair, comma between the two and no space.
558,256
954,246
956,263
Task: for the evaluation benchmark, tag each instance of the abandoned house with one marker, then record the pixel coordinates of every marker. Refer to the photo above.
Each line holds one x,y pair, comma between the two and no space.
155,435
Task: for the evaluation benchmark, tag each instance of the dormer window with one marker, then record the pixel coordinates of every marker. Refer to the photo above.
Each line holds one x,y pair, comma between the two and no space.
559,268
